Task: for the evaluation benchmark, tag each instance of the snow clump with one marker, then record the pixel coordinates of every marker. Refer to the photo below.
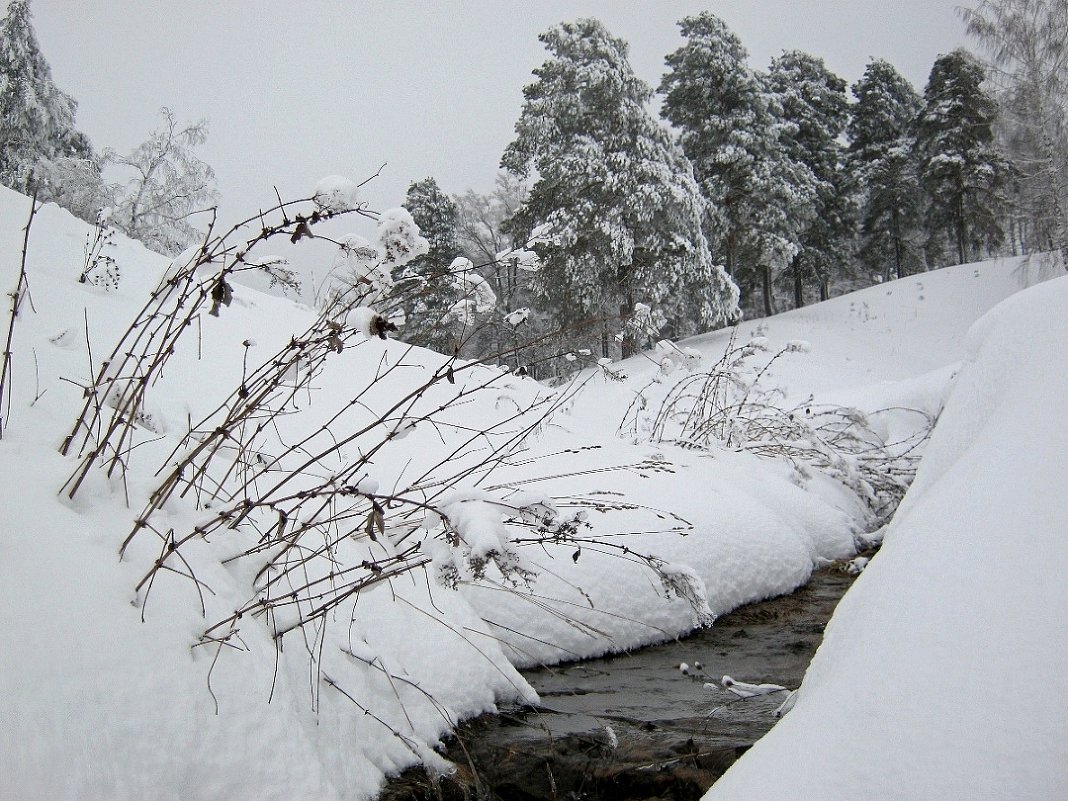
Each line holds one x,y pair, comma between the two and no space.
361,319
518,316
358,271
399,239
335,194
526,260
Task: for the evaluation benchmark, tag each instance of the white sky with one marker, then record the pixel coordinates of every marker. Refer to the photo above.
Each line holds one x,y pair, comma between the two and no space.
298,89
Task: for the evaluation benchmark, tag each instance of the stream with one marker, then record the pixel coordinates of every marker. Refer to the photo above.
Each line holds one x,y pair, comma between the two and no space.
634,726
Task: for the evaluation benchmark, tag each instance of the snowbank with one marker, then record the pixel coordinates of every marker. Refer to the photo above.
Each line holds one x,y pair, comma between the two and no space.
944,669
118,686
107,692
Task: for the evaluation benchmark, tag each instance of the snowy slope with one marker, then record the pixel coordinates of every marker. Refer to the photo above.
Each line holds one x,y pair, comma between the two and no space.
108,691
889,351
97,703
869,346
943,670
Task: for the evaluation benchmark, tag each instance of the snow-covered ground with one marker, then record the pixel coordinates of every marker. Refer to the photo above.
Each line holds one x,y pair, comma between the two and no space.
944,669
109,691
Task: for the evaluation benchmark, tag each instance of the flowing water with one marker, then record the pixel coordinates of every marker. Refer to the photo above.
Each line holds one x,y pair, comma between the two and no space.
635,726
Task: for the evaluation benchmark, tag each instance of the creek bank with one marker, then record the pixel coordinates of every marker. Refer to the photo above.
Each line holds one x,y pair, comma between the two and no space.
634,726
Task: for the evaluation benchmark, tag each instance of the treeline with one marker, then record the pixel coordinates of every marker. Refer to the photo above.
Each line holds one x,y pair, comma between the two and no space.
611,228
755,191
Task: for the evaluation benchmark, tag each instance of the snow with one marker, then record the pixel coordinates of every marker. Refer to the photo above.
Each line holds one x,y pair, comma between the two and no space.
517,317
97,703
526,260
586,537
744,689
336,194
942,672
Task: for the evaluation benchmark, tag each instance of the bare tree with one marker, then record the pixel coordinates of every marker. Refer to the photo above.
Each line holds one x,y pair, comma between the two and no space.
1028,45
169,184
482,236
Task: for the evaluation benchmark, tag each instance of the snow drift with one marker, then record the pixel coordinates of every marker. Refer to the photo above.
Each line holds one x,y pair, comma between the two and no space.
943,670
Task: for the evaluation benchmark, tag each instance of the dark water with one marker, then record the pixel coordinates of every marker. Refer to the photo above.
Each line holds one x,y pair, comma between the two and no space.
671,737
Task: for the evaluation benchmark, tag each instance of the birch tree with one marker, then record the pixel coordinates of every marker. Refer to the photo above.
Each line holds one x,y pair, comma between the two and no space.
1027,41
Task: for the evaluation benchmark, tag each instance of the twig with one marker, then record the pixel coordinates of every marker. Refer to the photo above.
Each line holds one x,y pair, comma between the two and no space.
22,289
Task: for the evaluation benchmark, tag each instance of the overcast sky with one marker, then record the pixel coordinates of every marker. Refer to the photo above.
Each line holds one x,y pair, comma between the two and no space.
298,89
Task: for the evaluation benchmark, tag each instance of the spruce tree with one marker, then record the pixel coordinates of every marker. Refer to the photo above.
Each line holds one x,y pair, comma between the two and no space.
614,194
761,198
882,157
434,287
36,117
813,100
960,167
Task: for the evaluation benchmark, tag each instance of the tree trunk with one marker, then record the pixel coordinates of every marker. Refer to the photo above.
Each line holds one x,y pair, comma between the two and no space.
1049,155
769,305
962,231
1060,226
900,269
799,290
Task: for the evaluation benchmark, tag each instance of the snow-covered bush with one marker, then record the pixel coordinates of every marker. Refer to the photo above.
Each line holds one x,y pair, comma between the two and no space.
399,237
477,297
727,406
359,269
100,267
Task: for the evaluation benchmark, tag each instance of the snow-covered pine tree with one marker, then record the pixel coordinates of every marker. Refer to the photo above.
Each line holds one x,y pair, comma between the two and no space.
435,289
36,117
960,166
882,157
760,197
1028,47
622,209
169,184
813,99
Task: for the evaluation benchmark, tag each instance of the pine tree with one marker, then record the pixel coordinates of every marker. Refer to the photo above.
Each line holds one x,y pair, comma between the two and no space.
960,167
1028,46
36,117
760,197
813,100
615,194
882,157
436,290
